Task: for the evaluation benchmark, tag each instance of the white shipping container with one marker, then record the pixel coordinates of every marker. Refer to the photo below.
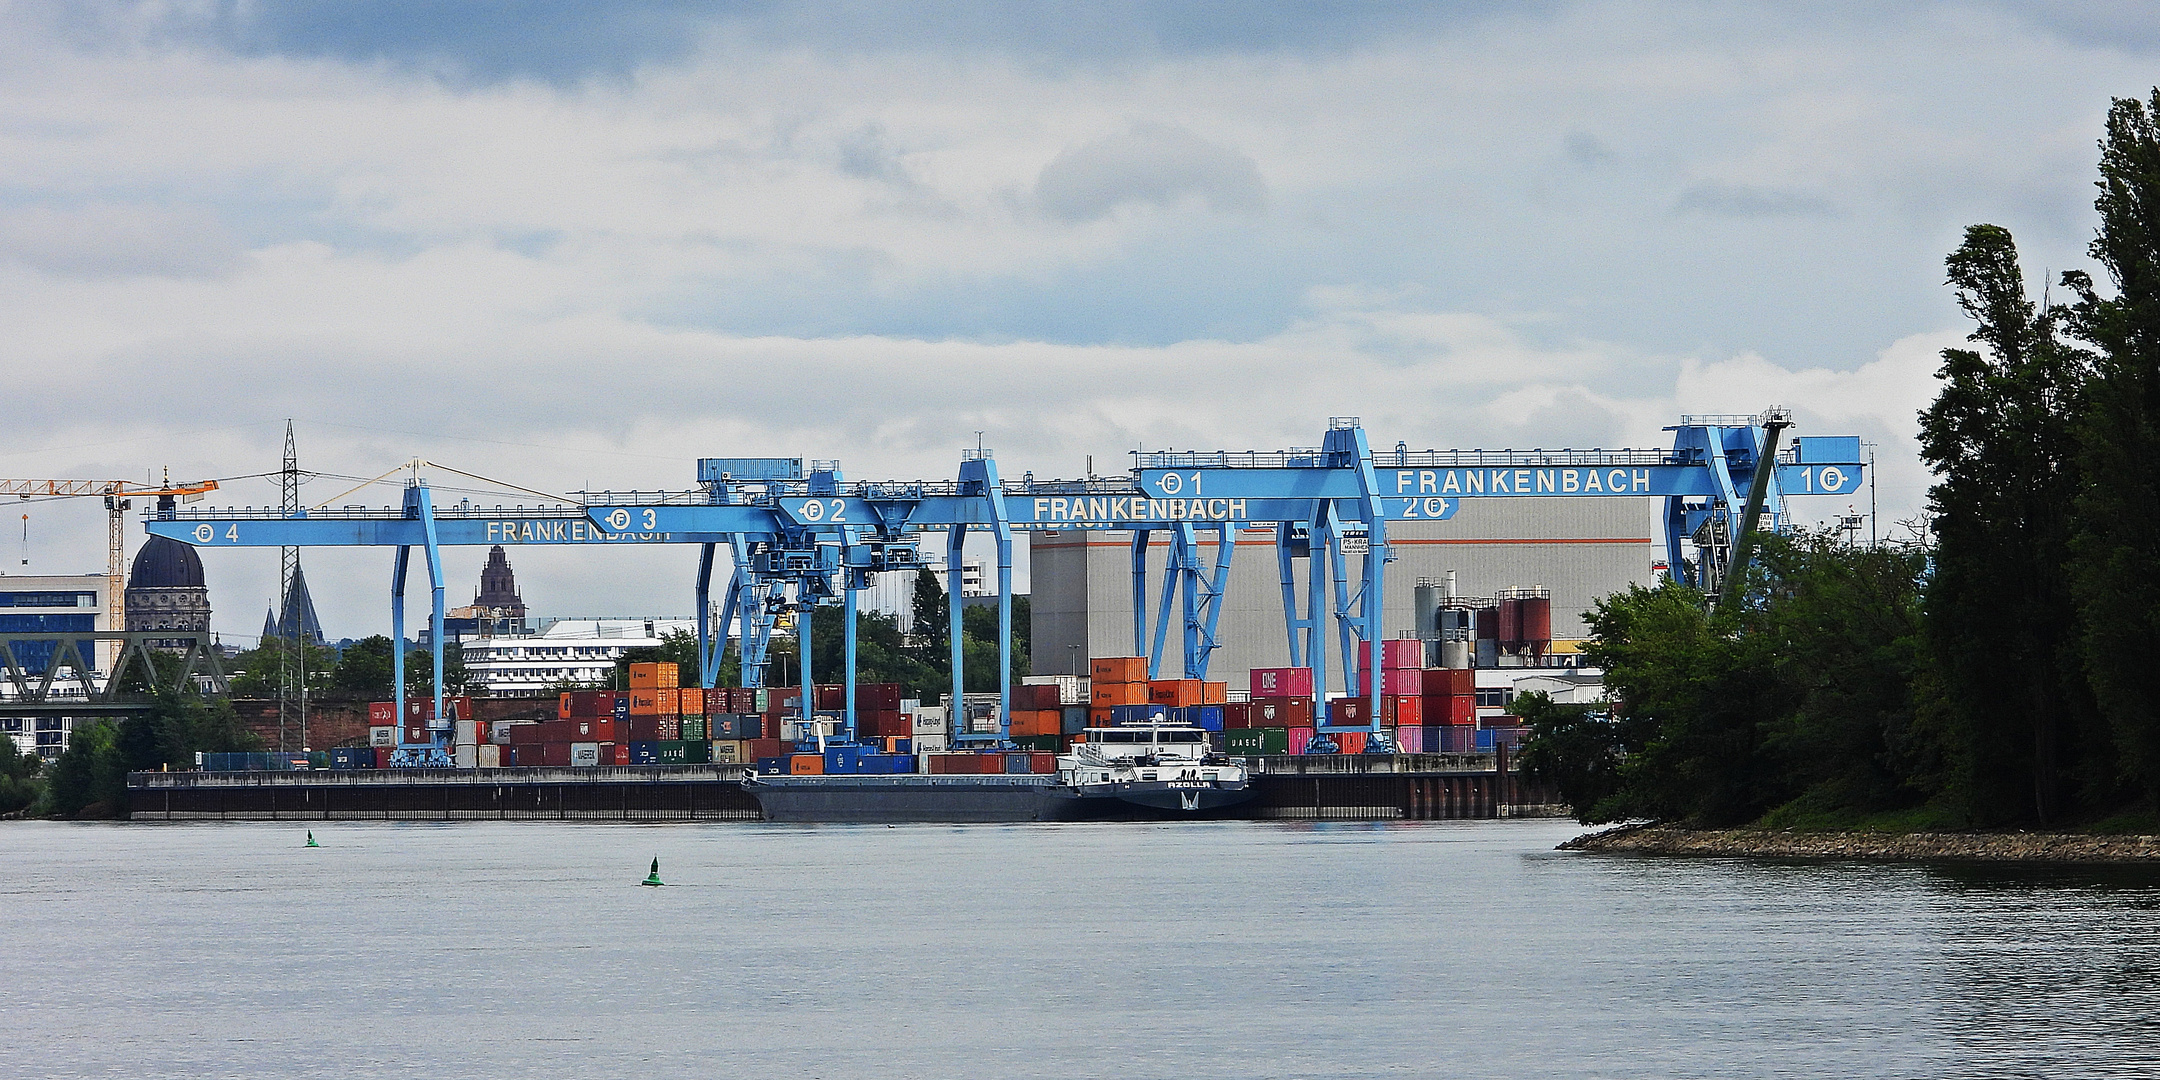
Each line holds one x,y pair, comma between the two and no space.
931,720
382,736
1069,692
489,756
584,753
467,757
931,743
499,731
468,732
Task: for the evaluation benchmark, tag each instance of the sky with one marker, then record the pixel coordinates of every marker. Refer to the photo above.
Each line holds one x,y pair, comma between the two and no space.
577,246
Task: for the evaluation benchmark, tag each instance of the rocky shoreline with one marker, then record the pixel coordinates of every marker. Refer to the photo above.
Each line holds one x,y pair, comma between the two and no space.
2017,847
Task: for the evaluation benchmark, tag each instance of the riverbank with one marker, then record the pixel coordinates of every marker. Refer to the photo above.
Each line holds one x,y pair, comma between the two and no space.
2017,847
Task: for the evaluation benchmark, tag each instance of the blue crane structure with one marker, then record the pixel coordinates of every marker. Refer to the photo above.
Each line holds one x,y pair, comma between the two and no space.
800,537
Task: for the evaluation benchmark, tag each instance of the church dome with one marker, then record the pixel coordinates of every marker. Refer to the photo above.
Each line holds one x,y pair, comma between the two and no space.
166,564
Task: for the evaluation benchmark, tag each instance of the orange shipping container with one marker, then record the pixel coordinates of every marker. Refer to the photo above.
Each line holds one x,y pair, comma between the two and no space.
644,702
655,676
1119,669
1031,722
691,701
1098,718
1174,692
669,701
1214,693
1103,695
806,765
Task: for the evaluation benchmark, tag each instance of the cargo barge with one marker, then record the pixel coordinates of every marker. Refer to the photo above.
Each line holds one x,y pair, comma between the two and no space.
1284,787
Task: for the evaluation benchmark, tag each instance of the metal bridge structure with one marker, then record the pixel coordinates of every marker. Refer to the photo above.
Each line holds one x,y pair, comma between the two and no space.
800,537
47,691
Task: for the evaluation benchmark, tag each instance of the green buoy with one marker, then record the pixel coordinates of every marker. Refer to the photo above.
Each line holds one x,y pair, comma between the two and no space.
654,877
311,839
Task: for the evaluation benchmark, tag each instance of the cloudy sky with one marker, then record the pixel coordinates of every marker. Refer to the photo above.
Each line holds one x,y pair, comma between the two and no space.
579,245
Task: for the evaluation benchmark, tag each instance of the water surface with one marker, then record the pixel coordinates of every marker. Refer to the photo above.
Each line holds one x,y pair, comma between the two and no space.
1239,949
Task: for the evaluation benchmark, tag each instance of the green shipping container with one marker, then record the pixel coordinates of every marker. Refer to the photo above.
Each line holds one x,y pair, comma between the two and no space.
1045,744
693,729
682,752
1252,742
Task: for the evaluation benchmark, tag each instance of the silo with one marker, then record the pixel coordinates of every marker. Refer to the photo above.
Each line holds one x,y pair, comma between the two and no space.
1425,600
1488,637
1537,622
1510,622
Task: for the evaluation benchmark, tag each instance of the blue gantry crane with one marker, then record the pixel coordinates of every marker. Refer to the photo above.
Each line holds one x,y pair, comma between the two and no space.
801,537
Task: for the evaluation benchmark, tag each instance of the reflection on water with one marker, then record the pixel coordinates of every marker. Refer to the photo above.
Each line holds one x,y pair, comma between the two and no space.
1199,950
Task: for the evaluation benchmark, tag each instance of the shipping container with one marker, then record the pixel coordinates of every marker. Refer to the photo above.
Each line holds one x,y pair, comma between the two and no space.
685,752
1106,695
349,757
1394,682
382,714
1448,682
694,729
690,701
1072,719
1281,682
585,754
1286,712
1118,669
382,736
1459,709
1400,653
489,756
466,733
465,756
1252,742
1178,692
658,675
1351,742
1296,740
382,756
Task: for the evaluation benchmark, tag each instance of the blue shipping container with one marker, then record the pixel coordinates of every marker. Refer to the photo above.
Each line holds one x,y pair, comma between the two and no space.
842,759
644,752
768,765
1016,763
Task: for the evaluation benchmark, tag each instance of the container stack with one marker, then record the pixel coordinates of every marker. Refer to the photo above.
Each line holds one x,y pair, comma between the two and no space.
591,727
1279,708
1038,717
1116,682
656,726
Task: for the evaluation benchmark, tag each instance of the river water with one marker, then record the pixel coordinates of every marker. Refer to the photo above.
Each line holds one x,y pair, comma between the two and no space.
1456,949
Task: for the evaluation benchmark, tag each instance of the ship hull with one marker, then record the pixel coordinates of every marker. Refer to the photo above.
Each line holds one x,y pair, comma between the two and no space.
915,798
1172,798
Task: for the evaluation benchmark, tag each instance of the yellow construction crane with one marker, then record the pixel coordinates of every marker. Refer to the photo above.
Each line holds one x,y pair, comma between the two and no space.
117,494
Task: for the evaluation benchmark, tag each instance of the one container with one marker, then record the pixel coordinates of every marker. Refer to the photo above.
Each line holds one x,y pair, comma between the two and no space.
1281,682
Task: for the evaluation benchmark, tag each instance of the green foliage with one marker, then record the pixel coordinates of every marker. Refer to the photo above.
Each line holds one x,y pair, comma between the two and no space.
1802,689
2002,622
679,647
420,671
20,786
255,673
1575,748
920,662
90,779
366,670
2117,542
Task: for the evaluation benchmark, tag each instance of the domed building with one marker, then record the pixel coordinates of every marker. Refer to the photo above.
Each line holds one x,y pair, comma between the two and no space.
165,589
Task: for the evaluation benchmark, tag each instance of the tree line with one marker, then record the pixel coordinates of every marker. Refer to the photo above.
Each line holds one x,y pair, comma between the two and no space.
1989,673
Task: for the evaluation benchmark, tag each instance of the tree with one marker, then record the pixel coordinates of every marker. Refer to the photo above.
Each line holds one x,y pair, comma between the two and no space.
420,671
1575,748
931,625
90,778
2002,622
366,670
2117,542
679,647
20,786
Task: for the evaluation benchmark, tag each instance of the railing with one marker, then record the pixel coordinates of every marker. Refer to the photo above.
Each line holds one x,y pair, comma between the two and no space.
1293,458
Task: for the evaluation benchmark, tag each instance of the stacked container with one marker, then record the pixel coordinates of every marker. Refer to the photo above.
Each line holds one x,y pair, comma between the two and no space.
1038,717
1281,700
1115,681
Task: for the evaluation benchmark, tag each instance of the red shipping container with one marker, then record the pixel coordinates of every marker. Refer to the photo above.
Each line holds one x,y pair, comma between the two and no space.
1041,763
615,753
1394,682
1401,711
877,696
1446,682
382,754
1350,742
1459,709
1237,716
1348,710
1300,738
1410,740
763,748
555,753
1399,653
831,697
1282,712
382,714
416,735
1027,696
1281,682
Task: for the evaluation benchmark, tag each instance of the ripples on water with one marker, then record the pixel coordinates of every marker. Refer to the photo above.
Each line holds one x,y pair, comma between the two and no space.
1195,950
